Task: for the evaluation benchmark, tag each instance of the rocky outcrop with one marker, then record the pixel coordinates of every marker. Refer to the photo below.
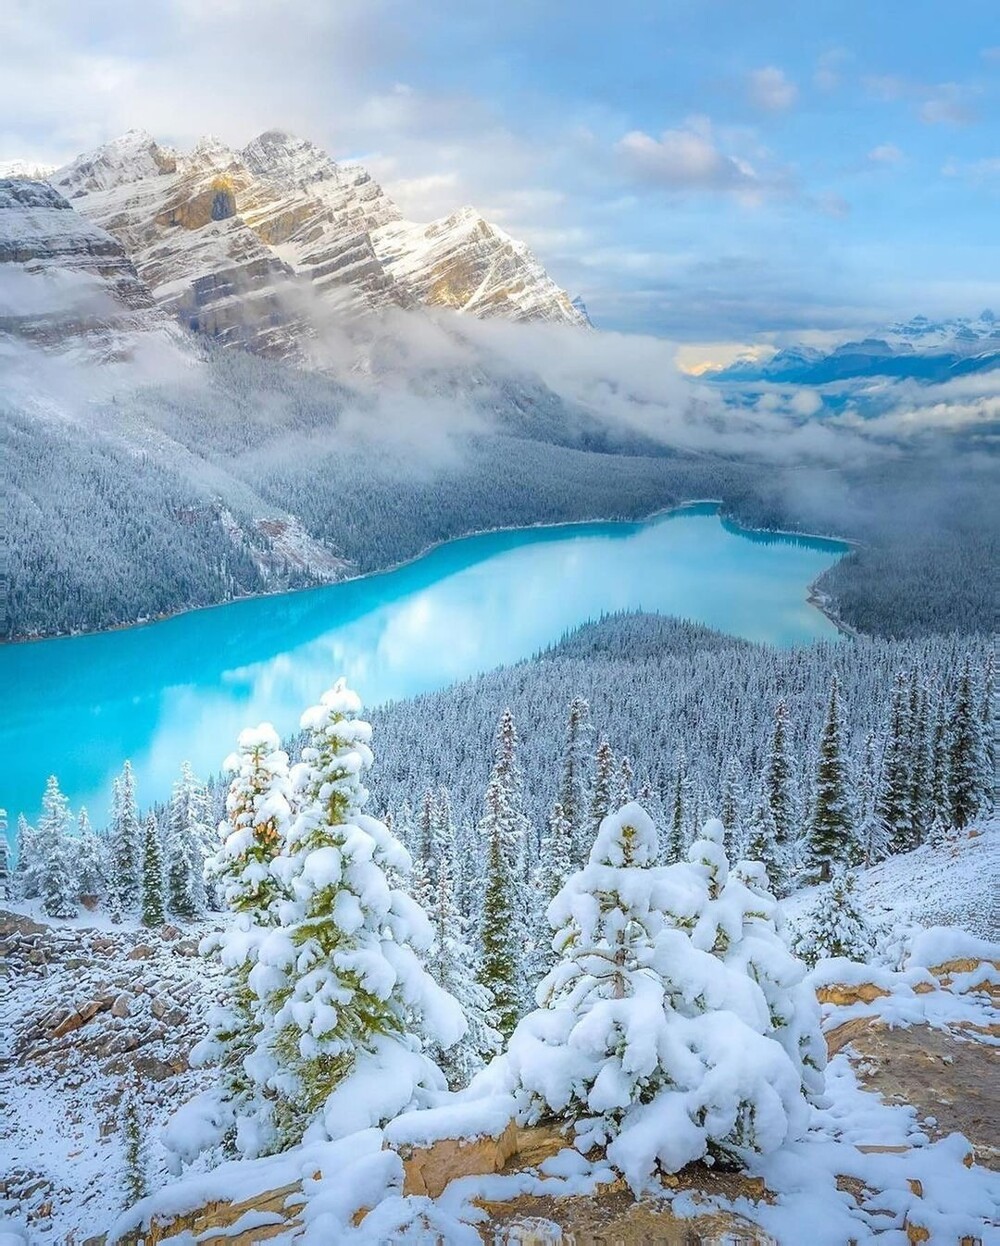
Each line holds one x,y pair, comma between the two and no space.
255,247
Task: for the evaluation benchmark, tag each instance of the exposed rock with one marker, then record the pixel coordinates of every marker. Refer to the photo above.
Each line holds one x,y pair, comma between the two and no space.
141,951
845,994
120,1007
427,1170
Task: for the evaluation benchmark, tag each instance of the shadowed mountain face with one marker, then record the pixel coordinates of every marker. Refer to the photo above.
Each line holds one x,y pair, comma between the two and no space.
254,247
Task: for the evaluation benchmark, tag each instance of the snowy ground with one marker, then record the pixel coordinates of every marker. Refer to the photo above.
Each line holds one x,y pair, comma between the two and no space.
957,885
61,1139
61,1145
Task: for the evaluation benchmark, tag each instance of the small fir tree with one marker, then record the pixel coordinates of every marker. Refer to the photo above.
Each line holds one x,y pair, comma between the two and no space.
836,925
133,1144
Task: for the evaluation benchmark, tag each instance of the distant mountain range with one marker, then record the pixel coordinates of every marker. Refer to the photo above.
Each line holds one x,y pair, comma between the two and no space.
258,247
921,349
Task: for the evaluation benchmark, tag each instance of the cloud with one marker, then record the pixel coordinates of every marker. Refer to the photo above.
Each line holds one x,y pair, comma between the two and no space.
979,172
827,74
685,159
886,154
771,90
947,105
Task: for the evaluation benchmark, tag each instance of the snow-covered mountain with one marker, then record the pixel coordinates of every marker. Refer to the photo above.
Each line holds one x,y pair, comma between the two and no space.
928,350
230,242
64,281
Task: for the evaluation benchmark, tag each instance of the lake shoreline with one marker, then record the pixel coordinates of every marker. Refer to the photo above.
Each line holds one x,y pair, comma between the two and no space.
820,602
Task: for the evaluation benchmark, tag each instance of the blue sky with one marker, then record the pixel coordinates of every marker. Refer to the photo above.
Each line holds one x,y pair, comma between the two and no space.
707,170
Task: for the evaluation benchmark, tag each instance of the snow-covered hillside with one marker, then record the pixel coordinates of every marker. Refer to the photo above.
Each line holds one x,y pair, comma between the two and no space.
224,239
954,884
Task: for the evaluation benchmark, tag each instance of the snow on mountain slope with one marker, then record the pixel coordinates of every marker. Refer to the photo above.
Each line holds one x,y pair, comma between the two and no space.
465,263
230,242
957,884
63,280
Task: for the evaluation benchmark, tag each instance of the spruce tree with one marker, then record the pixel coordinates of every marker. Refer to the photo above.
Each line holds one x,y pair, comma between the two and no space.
830,837
762,845
90,859
602,789
499,946
151,906
624,783
124,847
626,1045
573,781
894,798
26,875
778,779
451,963
968,783
678,813
57,865
556,863
340,986
186,848
731,806
252,835
921,776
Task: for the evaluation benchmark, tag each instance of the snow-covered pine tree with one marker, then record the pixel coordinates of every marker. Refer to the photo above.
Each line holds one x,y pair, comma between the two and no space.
500,969
124,847
556,863
602,789
921,796
778,779
836,925
624,784
762,845
968,783
678,812
151,906
26,867
258,814
830,838
452,965
654,1039
186,848
344,1000
573,781
873,842
894,804
57,877
731,804
89,859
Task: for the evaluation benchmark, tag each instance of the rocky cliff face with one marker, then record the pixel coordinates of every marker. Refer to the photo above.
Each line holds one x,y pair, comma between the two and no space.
63,280
239,245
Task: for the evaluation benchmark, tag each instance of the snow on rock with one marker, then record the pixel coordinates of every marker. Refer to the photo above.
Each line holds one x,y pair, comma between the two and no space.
228,241
65,281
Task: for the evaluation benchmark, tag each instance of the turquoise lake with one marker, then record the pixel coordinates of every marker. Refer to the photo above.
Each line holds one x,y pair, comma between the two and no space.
183,688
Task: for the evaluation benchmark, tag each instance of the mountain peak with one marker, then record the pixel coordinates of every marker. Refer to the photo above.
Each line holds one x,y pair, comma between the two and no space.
130,157
280,156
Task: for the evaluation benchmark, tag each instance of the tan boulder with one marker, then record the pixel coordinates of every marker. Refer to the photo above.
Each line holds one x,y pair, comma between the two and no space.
427,1170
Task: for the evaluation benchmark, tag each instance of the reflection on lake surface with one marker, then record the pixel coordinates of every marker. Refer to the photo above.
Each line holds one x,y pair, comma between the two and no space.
183,688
